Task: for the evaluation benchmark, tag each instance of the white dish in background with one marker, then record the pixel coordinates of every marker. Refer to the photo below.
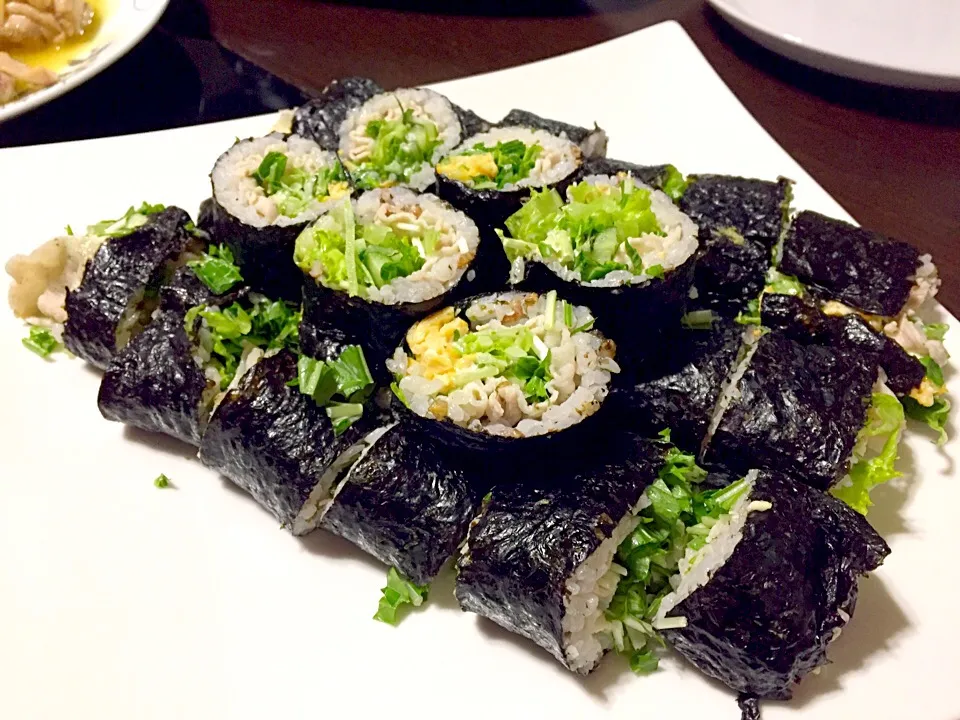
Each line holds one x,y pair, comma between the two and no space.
908,44
125,24
119,601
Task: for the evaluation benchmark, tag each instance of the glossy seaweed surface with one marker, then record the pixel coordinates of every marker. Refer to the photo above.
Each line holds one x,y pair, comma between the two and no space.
531,537
320,118
592,141
766,617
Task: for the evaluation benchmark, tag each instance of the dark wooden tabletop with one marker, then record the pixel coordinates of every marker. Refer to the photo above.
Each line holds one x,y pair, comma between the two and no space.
890,157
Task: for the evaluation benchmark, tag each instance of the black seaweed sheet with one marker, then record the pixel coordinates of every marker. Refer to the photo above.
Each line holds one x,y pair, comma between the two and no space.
154,383
273,441
740,221
680,392
802,320
124,271
798,410
531,537
653,175
766,617
842,262
406,504
592,141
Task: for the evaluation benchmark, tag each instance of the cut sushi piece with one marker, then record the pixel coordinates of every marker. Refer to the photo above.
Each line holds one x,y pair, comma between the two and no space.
320,118
375,265
757,605
174,374
821,414
279,445
741,220
592,142
395,138
405,503
662,177
539,559
513,377
98,290
615,245
682,391
265,192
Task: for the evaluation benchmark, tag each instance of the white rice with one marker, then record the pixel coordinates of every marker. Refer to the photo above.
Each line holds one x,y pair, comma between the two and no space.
730,389
926,283
669,251
580,368
588,594
558,158
410,214
697,567
356,145
328,484
241,195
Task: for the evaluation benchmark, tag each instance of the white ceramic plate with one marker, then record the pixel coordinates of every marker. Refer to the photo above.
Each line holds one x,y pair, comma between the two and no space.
912,44
125,24
121,601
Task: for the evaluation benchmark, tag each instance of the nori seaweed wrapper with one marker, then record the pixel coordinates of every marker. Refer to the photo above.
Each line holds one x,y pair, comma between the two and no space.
740,221
635,316
531,537
798,410
124,272
802,320
320,118
263,254
681,392
406,504
766,617
273,441
842,262
653,175
154,383
592,142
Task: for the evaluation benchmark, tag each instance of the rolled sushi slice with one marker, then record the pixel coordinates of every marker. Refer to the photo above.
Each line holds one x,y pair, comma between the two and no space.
280,445
395,138
513,376
375,265
98,290
173,375
662,177
682,391
405,503
820,414
614,244
265,192
741,222
539,558
761,595
592,142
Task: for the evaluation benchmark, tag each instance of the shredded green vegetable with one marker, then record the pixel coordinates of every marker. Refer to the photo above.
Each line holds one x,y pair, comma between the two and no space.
293,189
41,341
674,184
484,166
132,219
161,481
217,269
340,386
400,149
508,352
398,592
934,416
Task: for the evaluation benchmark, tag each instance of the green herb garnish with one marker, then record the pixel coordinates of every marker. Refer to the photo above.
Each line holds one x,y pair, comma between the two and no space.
41,341
217,269
161,481
398,592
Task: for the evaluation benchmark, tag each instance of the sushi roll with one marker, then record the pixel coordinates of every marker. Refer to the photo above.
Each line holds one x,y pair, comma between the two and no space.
539,559
801,319
591,141
265,192
375,265
759,599
173,375
820,414
405,503
682,391
277,442
98,290
741,221
662,177
613,244
513,376
395,138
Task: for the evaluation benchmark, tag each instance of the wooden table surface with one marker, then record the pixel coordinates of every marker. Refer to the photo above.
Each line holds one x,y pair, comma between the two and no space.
890,157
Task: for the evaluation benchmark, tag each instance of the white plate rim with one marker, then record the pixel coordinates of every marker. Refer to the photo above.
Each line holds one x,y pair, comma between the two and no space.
829,60
104,56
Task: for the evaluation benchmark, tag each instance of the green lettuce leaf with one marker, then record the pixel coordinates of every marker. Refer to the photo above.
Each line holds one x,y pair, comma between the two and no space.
41,341
934,371
217,269
936,331
935,416
531,223
884,420
398,592
400,149
161,481
131,220
340,386
514,160
674,185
